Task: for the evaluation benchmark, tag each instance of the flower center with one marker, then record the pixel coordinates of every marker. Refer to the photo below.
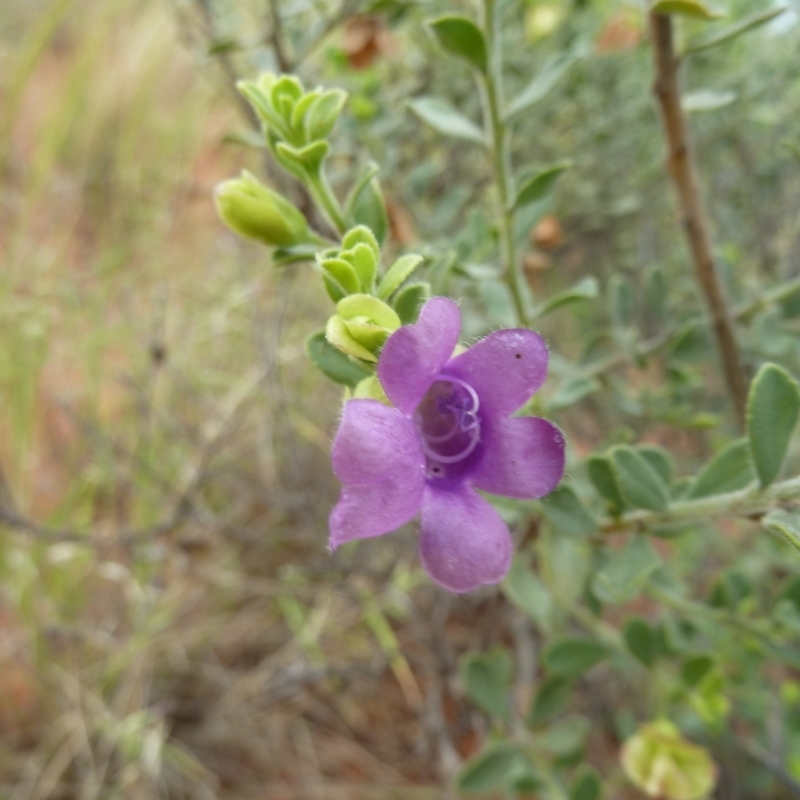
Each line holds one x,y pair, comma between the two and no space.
448,422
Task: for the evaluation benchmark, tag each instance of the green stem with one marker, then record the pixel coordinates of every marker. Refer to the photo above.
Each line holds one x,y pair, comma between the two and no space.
323,195
692,610
500,143
748,502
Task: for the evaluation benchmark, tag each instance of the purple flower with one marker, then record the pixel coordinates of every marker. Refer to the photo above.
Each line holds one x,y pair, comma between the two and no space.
449,431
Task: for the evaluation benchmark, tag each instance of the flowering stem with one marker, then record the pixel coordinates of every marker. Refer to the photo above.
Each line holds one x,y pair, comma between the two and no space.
499,138
323,195
748,502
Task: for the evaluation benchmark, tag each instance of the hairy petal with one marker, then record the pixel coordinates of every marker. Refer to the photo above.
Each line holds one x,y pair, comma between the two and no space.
373,509
415,354
374,443
505,369
524,458
463,541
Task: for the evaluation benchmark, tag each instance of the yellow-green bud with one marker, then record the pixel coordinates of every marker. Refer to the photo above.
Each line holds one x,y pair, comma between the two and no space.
663,764
256,211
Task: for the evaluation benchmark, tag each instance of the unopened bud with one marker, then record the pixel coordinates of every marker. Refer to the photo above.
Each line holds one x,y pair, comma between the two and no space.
663,764
256,211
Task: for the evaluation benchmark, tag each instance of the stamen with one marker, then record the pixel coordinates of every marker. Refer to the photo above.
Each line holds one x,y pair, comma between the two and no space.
433,456
461,403
473,395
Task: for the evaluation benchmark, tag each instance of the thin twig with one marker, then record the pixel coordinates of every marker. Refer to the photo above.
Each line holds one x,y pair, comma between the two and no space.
276,38
231,76
771,764
681,169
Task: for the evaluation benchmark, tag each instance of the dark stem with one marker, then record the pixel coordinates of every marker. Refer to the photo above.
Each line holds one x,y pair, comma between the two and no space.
683,176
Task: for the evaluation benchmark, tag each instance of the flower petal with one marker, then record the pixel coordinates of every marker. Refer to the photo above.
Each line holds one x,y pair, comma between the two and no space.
375,442
415,354
463,541
505,369
373,509
524,458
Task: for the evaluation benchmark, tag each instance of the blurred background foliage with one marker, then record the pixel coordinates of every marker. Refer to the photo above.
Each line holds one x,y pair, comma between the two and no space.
171,622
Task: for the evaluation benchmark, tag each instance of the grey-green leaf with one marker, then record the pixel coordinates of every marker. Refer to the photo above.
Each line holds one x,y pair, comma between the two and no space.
639,483
642,640
625,571
772,408
486,677
658,458
551,698
408,301
396,274
529,594
728,470
543,83
370,210
567,514
706,100
462,38
604,479
687,8
573,391
587,786
444,118
536,186
734,31
586,289
572,655
333,362
490,769
785,524
566,737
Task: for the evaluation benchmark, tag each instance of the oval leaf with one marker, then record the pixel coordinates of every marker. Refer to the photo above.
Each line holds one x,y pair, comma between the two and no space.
622,576
409,301
444,118
490,769
772,409
552,697
639,483
585,289
642,640
687,8
397,273
536,186
544,83
462,38
604,479
567,514
486,677
570,656
334,363
523,587
785,524
735,30
729,470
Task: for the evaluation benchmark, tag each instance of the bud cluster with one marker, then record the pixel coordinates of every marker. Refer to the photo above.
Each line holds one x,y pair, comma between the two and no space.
368,309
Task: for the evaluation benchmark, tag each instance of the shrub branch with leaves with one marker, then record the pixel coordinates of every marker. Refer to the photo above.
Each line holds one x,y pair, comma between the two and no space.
426,420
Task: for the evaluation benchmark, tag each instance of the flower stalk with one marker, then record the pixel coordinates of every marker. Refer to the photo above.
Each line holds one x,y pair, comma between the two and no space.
499,140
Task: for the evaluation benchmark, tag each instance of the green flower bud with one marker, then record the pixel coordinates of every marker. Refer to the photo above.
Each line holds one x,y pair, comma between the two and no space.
368,320
256,211
663,764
